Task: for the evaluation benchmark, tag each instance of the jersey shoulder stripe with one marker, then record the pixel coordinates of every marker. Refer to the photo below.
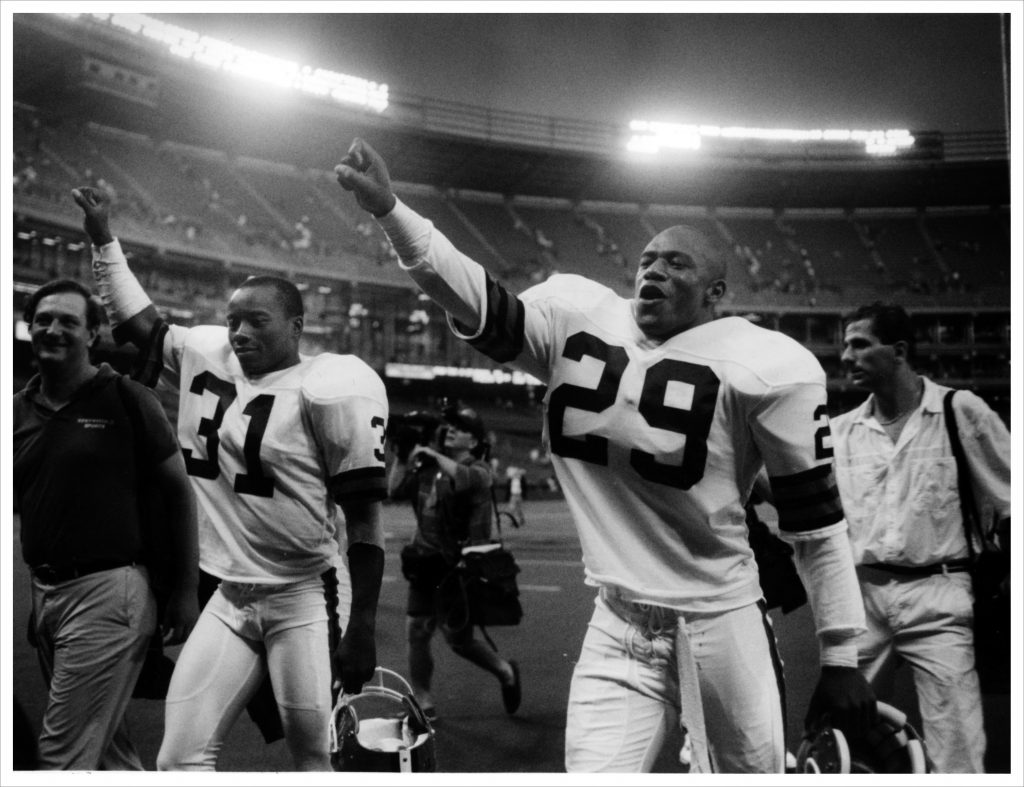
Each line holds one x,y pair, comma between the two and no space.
502,337
808,500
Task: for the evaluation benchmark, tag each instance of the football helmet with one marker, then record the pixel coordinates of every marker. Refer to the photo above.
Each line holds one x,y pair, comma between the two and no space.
381,729
892,746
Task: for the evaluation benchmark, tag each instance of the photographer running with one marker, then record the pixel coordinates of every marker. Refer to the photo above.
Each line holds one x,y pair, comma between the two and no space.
450,490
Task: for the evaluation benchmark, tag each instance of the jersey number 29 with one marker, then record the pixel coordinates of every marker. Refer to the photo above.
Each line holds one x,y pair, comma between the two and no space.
694,422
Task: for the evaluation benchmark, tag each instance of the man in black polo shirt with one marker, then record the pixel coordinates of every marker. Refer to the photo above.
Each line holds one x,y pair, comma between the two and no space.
86,441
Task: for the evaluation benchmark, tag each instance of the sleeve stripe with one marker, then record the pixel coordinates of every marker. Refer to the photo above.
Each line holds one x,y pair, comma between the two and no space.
364,483
810,518
821,495
807,501
780,482
502,336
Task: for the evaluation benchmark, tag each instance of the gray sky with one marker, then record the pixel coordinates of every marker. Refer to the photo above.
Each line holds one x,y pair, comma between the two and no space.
918,70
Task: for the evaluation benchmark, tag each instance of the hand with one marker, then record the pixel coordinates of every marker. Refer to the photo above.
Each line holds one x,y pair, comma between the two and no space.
845,696
95,203
424,451
180,617
364,172
355,659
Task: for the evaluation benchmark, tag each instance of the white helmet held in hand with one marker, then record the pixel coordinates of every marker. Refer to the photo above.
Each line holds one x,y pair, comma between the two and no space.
381,730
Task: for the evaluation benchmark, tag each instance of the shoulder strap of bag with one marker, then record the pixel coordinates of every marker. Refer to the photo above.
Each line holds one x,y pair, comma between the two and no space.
497,515
963,475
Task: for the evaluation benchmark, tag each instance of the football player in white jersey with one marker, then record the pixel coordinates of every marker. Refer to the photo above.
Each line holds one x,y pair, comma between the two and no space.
275,442
659,417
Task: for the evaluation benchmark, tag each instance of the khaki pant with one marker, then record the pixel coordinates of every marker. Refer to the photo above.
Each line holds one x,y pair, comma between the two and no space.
928,623
92,635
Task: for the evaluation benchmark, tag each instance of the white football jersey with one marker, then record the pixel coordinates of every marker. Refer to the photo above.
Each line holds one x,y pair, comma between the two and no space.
269,456
656,445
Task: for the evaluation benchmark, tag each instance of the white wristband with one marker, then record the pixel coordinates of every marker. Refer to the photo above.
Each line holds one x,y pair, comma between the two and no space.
408,232
842,653
120,292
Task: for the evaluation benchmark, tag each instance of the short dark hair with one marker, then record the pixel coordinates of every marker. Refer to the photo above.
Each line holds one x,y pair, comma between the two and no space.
715,255
889,322
93,309
288,294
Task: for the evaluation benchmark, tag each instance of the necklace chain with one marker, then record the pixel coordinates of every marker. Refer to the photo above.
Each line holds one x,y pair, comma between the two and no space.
901,416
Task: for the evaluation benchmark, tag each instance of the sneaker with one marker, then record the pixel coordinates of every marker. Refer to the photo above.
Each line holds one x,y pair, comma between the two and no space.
512,694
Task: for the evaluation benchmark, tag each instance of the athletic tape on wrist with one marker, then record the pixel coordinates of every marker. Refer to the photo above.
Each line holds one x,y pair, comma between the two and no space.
119,291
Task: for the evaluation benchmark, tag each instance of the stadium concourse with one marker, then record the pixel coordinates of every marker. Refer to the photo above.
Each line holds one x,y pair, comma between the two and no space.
209,188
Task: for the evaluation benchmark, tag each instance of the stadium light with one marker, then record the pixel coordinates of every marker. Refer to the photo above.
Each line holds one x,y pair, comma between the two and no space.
414,371
650,137
226,57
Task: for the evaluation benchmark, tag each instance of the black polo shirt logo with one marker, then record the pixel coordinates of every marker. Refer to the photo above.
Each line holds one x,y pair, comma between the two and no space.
95,423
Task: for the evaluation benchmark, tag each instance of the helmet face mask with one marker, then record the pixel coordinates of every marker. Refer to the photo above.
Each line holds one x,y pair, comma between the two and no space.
891,746
381,730
826,751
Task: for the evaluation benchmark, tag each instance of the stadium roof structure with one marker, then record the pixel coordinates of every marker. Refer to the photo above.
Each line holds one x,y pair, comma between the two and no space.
135,86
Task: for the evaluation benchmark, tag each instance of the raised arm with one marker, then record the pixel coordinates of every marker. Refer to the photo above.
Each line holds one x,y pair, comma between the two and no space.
131,312
458,285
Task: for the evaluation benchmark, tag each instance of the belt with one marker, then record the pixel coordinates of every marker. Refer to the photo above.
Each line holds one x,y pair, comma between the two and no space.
652,618
54,575
949,567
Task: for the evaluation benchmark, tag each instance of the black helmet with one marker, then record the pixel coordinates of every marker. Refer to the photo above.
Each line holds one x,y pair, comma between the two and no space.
892,746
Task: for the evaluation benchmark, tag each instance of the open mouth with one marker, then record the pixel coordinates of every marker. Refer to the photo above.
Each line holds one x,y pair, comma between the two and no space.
650,292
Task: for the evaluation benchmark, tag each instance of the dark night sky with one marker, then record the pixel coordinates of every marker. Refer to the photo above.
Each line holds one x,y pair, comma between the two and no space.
806,70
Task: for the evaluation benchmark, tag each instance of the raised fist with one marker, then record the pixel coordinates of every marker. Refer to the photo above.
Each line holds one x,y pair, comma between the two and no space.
95,204
363,172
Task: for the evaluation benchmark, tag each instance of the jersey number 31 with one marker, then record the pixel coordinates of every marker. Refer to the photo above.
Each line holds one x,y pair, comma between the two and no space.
254,481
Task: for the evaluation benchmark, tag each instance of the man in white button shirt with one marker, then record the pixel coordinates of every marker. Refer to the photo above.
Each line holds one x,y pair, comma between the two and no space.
898,480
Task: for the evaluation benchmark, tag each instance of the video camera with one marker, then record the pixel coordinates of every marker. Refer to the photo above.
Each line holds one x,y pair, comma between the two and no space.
408,430
420,427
